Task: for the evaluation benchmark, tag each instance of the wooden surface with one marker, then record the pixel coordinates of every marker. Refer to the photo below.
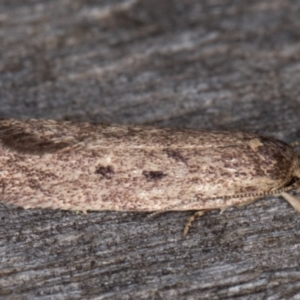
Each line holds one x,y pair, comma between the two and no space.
199,64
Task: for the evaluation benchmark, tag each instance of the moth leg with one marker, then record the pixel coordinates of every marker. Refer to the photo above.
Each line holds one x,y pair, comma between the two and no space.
154,214
247,202
294,201
79,212
222,210
191,220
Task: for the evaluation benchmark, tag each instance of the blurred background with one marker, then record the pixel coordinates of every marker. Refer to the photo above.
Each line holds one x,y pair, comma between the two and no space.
215,64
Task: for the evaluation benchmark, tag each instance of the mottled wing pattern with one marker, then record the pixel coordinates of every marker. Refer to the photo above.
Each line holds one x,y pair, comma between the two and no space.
82,166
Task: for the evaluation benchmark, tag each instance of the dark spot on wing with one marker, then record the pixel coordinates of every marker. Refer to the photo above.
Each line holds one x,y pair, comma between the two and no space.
154,175
106,172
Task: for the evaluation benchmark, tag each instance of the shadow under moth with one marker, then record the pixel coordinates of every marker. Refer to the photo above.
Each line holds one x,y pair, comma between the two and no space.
84,166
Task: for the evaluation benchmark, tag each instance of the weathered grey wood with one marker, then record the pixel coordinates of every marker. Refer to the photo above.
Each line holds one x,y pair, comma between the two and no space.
200,64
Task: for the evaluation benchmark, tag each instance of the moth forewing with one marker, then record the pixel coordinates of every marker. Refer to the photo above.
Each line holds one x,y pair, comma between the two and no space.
83,166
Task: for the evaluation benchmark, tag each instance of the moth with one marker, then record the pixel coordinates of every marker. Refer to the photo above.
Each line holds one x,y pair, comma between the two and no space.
84,166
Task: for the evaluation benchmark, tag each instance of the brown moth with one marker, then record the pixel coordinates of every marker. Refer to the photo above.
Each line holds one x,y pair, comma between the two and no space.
82,166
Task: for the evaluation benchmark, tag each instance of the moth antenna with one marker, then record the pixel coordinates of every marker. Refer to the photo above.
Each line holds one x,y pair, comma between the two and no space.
294,186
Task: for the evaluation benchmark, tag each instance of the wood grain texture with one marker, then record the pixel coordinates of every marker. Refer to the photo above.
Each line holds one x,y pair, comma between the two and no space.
84,166
217,65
